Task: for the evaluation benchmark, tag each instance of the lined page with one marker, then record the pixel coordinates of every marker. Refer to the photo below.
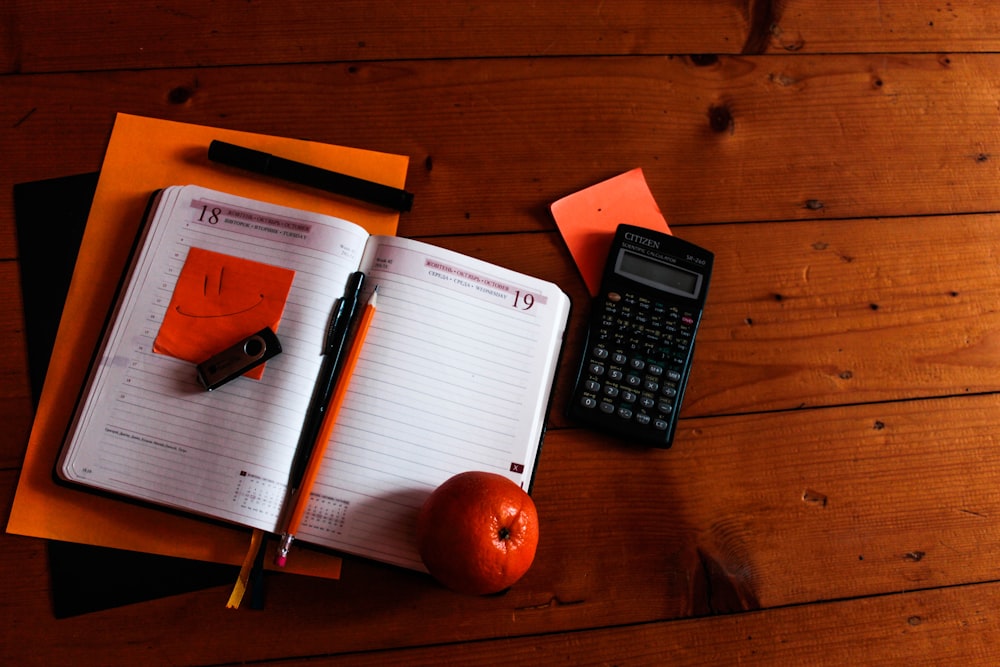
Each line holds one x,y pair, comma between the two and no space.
147,428
454,375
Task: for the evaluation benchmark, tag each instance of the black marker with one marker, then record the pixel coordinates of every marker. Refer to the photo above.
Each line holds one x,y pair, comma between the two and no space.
306,174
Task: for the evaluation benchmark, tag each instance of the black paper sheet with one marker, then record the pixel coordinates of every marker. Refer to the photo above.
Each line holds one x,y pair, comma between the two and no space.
51,216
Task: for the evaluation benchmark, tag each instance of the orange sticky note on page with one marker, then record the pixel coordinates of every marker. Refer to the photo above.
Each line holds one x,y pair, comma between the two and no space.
218,300
588,219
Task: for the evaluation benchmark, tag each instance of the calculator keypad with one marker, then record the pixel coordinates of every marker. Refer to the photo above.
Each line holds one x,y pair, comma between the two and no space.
635,368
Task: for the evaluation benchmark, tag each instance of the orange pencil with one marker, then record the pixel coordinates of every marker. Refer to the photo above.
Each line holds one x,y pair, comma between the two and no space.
325,431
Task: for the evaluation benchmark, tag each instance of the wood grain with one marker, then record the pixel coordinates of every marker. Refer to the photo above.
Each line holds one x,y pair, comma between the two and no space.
831,496
13,357
52,36
727,142
16,413
907,629
745,513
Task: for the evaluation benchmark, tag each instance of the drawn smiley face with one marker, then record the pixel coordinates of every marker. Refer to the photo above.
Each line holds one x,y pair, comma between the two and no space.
220,299
223,294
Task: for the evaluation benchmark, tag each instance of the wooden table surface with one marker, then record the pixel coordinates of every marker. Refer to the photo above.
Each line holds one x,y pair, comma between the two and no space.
831,497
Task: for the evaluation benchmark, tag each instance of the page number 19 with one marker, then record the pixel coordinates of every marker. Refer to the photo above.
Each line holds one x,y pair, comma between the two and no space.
524,301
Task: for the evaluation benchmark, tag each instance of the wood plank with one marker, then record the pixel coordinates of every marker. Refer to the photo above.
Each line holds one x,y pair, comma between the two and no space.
847,311
15,392
751,512
874,26
52,36
15,414
957,625
13,355
719,143
763,511
190,33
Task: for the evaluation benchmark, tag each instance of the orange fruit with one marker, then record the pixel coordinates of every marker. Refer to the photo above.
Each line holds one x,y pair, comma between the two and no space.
477,533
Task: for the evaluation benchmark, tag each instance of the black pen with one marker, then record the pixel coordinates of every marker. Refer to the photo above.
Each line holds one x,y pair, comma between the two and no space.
260,162
333,351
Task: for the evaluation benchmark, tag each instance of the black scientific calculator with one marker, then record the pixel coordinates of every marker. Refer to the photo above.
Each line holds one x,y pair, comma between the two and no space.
641,336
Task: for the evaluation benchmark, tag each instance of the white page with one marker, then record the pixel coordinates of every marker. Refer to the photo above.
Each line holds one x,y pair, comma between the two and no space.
148,429
454,375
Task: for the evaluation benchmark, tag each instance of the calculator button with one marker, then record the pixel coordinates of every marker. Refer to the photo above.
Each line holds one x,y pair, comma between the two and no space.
611,391
638,364
619,358
597,369
646,402
607,408
643,419
674,375
615,374
660,424
593,386
665,408
634,380
629,396
600,353
588,402
670,392
624,412
651,385
655,370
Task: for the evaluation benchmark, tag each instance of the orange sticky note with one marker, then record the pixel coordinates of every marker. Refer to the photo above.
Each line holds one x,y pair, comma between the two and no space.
588,219
220,299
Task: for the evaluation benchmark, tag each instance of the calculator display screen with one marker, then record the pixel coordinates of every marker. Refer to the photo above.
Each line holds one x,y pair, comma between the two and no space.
657,274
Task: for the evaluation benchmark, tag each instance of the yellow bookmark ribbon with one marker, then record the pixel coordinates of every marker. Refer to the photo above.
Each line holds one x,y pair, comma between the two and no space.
242,581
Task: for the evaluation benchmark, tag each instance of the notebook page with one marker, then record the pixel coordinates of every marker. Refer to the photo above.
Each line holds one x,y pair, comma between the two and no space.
454,375
147,428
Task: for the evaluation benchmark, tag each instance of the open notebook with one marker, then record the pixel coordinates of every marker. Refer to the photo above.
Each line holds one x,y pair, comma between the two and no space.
455,373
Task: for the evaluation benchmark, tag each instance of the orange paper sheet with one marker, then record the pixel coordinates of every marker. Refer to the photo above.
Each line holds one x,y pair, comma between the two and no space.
588,219
144,155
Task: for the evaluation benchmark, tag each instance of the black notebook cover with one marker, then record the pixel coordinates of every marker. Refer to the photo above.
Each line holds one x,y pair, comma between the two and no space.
51,216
